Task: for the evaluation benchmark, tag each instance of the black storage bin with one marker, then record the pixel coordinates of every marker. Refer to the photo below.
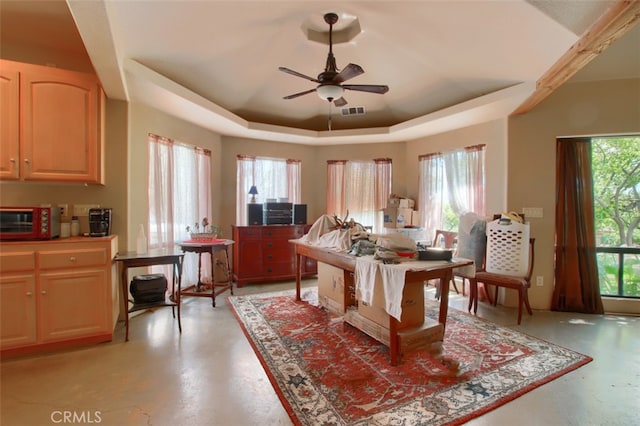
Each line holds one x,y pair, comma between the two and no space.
435,254
150,288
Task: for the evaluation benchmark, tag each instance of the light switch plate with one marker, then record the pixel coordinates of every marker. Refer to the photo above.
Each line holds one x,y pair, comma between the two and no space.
83,209
532,212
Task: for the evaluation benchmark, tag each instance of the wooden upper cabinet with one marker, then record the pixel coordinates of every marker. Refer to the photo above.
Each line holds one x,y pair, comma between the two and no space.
60,131
9,121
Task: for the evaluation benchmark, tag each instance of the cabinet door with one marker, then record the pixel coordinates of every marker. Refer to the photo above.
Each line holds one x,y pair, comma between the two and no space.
73,303
17,310
249,259
9,122
60,135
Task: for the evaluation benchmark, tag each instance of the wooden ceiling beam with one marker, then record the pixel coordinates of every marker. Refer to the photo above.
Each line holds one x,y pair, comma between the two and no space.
612,25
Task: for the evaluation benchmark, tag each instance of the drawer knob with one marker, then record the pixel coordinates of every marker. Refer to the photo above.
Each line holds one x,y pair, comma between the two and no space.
29,293
72,259
43,292
269,256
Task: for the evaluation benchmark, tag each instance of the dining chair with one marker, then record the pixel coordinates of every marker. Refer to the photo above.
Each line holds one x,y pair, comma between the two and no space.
509,263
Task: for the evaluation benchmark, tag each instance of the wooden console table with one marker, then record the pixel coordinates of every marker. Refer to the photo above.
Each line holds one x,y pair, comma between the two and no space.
153,257
423,272
200,289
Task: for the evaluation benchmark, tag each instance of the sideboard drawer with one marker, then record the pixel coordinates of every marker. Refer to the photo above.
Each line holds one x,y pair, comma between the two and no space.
13,262
72,258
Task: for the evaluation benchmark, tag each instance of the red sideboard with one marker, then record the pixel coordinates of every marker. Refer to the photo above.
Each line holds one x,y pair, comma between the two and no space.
262,253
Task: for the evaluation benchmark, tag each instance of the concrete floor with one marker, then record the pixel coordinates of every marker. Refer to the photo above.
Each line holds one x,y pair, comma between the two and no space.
209,375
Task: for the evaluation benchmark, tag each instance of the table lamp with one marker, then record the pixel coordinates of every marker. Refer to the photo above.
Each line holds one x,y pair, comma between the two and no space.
253,192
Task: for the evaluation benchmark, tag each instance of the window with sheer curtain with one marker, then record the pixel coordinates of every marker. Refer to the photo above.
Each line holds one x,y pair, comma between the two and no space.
450,185
361,188
179,196
273,178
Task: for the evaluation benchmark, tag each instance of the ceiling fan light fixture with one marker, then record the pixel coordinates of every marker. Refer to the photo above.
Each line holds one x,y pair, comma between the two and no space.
329,92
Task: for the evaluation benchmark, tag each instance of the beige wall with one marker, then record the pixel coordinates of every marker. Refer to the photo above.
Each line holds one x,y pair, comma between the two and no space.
596,108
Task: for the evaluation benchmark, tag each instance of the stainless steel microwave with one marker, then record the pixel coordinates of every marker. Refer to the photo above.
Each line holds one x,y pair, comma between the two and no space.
29,223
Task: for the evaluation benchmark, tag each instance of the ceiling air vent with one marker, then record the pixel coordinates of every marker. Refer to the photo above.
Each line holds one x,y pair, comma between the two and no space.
359,110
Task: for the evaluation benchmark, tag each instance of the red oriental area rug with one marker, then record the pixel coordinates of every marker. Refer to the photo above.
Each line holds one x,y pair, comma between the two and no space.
330,373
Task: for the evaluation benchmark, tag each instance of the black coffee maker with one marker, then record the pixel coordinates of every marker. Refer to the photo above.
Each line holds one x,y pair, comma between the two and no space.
99,222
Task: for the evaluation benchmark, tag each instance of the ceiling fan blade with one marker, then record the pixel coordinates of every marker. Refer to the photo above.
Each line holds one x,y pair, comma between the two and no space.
348,72
340,102
295,95
297,74
370,88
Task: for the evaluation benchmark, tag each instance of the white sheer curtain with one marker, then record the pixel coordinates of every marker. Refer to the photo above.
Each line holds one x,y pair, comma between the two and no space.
360,187
336,197
454,178
179,195
273,177
465,179
431,192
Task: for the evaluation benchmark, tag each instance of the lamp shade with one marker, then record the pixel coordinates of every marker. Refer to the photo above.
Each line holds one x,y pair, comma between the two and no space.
329,92
253,190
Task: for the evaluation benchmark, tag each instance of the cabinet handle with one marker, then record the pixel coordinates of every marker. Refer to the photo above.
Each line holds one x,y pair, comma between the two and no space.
269,256
26,160
43,292
13,160
72,259
29,293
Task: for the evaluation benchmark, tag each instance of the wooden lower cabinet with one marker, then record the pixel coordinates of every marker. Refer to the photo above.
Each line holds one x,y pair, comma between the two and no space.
263,253
17,309
57,293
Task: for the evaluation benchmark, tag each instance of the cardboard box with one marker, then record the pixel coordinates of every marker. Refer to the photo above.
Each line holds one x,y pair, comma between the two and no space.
391,215
411,339
332,284
421,337
415,218
401,202
407,203
412,306
378,332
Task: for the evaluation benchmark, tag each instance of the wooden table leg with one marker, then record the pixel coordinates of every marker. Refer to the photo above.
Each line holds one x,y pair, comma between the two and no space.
125,299
444,297
213,279
298,274
394,341
177,273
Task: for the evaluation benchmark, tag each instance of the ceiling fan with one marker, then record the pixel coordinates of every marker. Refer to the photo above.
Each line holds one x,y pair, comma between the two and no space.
330,87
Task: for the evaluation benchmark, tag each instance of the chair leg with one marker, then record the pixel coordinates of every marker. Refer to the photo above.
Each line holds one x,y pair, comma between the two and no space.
520,302
473,295
487,294
455,287
495,297
525,296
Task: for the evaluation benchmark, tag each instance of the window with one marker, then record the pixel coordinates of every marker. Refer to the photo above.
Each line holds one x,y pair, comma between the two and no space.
179,196
273,177
616,186
360,188
451,184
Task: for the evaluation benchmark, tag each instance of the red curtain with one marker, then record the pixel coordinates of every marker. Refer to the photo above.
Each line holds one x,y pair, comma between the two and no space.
577,288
